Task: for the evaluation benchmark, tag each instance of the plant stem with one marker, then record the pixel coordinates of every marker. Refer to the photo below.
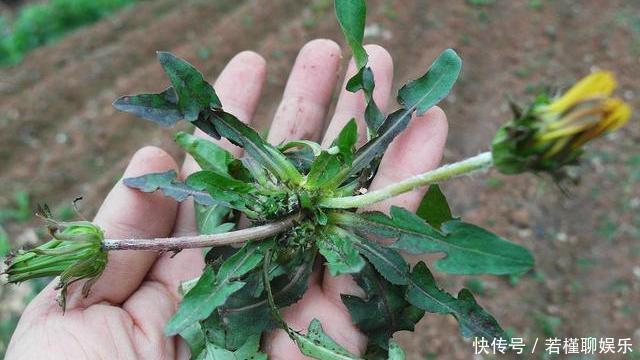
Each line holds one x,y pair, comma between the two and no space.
188,242
472,164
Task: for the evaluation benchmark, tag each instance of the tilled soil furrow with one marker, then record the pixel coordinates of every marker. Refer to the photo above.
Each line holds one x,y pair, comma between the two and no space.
90,136
77,45
28,115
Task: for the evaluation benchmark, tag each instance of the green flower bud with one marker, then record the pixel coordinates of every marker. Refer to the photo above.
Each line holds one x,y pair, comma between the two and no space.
74,253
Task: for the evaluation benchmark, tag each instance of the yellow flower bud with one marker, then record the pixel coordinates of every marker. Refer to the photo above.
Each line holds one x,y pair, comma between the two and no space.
551,133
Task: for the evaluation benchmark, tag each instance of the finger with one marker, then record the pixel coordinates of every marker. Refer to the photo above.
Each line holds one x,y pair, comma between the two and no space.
238,86
418,149
129,213
307,95
352,105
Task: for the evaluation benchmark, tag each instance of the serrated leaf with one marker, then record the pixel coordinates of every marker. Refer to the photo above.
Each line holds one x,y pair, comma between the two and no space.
340,253
244,315
261,151
364,80
396,352
207,154
469,249
194,93
419,95
351,16
161,108
388,262
168,184
392,312
212,290
482,251
472,319
434,208
318,345
434,85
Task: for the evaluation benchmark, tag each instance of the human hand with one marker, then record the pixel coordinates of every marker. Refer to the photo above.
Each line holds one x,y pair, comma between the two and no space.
124,315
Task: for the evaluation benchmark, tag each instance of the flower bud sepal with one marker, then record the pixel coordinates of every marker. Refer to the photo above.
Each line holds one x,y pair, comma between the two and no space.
74,253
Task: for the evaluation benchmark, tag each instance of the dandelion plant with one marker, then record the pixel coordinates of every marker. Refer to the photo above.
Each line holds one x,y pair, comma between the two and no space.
301,202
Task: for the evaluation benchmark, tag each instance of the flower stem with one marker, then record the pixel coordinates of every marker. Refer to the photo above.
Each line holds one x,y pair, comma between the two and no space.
472,164
188,242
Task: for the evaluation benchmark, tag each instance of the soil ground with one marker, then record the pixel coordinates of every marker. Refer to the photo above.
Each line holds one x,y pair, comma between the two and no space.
60,137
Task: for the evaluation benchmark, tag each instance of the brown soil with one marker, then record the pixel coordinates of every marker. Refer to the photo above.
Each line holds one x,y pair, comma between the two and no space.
60,137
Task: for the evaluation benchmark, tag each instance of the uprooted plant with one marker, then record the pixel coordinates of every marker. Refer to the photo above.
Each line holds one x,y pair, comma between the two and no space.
301,199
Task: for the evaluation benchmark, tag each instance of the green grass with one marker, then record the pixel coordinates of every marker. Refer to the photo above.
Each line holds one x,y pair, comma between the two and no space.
22,210
4,242
41,23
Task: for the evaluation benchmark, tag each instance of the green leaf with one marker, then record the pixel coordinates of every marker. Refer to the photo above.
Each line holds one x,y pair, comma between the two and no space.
261,151
324,171
301,158
340,253
316,344
329,169
207,154
434,208
428,90
195,339
212,290
472,319
419,95
351,16
396,352
387,261
168,184
363,80
194,93
244,315
346,141
223,189
161,108
249,351
205,122
469,249
481,252
4,242
392,312
394,124
210,219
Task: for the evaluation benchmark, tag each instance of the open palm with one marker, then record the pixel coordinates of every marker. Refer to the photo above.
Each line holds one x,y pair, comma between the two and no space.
125,313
